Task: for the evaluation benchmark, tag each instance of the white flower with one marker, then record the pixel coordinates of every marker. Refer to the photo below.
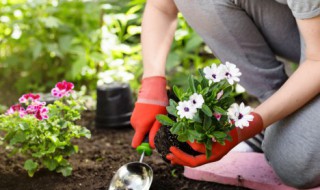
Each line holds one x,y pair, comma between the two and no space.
186,109
196,100
213,73
231,72
240,115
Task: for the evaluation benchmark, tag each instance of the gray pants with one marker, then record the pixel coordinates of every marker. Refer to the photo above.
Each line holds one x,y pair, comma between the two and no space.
252,34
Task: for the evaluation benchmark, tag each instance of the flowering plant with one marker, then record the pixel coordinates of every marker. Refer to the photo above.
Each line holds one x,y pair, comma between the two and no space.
206,111
43,133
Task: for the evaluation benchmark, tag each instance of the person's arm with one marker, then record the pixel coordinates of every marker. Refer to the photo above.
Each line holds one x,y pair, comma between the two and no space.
303,85
158,27
300,88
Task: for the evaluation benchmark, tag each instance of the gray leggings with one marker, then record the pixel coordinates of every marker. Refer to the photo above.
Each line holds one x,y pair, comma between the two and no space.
252,34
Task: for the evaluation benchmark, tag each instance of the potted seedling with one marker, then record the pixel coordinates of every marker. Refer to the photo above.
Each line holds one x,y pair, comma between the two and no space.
43,133
205,112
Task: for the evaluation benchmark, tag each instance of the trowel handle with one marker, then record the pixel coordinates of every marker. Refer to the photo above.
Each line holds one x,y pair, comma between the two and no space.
145,147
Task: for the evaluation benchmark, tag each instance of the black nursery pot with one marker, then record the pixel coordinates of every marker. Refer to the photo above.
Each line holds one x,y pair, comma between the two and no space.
114,105
164,139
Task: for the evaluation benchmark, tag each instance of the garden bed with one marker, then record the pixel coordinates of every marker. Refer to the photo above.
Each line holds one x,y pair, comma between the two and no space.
95,164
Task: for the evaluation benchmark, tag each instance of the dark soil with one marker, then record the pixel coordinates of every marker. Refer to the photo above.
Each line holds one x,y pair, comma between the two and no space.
95,164
164,139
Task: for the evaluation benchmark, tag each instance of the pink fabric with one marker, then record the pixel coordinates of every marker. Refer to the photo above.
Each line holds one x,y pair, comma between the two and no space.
245,169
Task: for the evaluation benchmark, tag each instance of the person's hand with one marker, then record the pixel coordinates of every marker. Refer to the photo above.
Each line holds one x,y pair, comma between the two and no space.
179,157
152,100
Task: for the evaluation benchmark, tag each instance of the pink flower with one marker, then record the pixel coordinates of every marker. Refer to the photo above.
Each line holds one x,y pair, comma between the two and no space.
22,112
13,109
27,97
42,113
219,95
62,89
217,116
34,107
17,108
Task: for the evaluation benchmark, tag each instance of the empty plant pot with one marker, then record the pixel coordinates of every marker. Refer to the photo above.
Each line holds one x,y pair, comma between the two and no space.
114,105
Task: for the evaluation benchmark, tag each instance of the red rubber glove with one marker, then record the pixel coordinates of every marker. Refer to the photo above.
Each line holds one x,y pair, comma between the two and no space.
152,100
238,135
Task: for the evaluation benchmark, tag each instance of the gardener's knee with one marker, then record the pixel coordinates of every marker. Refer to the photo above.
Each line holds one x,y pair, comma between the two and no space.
298,177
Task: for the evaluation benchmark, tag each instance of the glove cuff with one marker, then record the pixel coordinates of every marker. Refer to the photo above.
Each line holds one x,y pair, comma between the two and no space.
153,91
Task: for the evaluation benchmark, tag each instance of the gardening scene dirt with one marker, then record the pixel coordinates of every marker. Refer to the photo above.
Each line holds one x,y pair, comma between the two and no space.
96,163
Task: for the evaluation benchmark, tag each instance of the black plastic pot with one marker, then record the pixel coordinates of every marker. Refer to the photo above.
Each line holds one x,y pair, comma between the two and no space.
114,105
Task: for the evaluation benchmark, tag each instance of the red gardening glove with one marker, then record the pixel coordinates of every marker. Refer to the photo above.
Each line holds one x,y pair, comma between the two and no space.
179,157
152,100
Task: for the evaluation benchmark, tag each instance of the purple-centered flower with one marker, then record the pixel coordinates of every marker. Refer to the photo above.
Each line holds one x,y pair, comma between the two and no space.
196,100
29,97
213,73
240,114
186,109
62,89
230,72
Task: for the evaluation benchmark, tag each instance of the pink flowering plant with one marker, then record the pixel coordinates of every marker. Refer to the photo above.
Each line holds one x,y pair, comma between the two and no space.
206,110
43,133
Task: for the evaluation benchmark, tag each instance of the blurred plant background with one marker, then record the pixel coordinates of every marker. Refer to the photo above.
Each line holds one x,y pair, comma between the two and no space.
83,41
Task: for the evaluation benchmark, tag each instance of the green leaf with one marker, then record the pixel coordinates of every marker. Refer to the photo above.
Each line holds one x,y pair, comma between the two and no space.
30,166
199,128
208,145
197,118
18,137
226,102
219,134
227,91
183,138
51,164
176,128
173,103
172,110
194,135
177,91
51,22
97,57
206,110
191,84
193,43
165,120
207,122
173,61
77,67
36,50
66,170
219,110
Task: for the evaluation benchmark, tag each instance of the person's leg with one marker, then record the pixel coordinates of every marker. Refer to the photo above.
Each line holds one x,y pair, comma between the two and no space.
291,147
237,35
249,33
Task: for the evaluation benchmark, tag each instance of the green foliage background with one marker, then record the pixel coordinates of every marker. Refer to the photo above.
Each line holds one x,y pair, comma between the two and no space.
42,42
